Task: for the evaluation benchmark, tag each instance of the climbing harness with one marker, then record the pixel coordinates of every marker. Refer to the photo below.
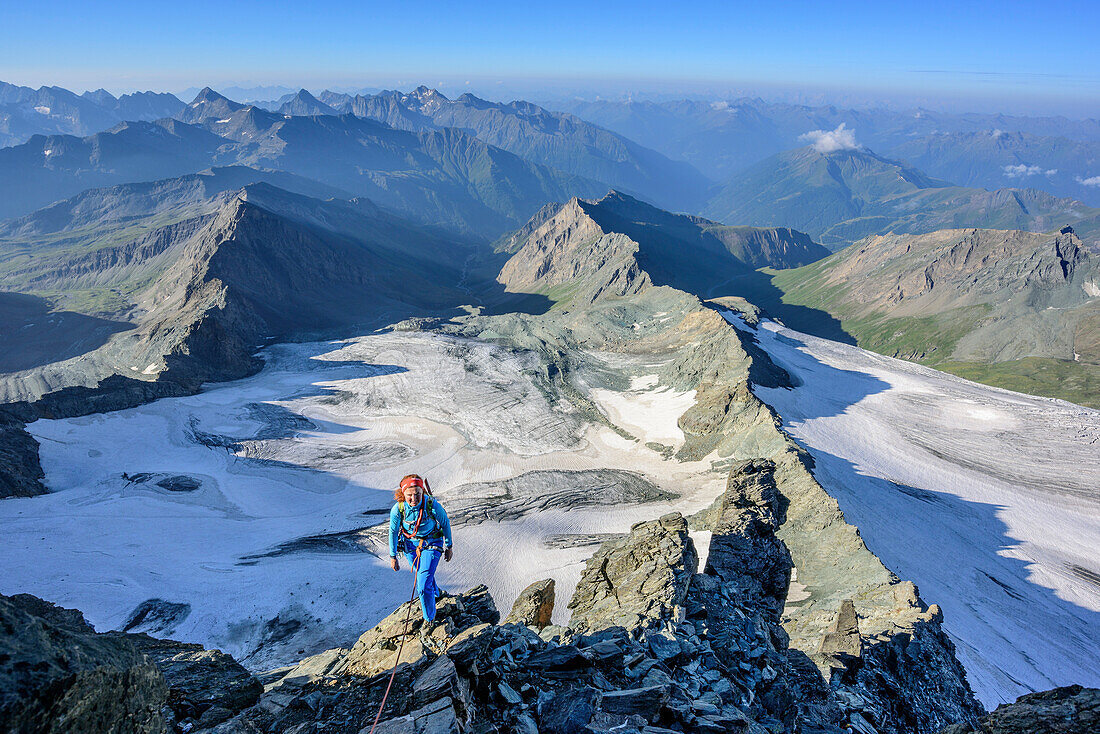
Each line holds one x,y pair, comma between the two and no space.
427,502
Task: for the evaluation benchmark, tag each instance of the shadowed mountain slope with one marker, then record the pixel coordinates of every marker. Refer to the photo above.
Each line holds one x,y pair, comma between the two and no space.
554,139
195,273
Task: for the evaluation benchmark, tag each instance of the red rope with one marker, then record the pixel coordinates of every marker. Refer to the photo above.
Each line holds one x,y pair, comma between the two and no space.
404,633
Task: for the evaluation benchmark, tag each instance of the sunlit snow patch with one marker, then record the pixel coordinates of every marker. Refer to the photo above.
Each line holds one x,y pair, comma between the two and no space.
989,500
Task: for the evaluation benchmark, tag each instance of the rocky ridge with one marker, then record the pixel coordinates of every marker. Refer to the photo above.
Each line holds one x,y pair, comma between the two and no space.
653,645
1015,309
205,291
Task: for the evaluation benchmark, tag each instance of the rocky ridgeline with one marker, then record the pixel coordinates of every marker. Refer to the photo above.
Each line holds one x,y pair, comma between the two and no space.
653,645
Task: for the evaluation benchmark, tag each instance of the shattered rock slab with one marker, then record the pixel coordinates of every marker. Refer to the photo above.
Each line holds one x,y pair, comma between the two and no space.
636,582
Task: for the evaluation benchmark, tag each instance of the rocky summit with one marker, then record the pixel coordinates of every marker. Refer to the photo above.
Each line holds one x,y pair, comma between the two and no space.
653,645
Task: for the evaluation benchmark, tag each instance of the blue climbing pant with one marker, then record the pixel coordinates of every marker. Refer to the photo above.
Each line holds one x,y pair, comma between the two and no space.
426,588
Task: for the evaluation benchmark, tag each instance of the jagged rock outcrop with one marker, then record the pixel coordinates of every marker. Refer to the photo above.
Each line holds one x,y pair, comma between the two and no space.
637,582
57,674
745,553
20,469
534,606
619,246
1065,710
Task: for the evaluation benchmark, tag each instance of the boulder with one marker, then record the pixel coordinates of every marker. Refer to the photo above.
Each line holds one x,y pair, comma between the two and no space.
1066,710
645,702
534,606
568,712
637,581
59,675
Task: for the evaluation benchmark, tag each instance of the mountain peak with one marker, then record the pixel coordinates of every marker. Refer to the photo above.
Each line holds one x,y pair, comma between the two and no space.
208,95
427,94
305,104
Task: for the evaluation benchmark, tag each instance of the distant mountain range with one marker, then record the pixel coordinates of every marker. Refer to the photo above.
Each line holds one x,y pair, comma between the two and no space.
444,178
1018,310
722,138
994,158
554,139
840,196
55,111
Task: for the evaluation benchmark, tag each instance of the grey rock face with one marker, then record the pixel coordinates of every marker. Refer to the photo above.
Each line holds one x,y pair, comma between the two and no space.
534,605
58,675
203,685
914,679
639,581
1066,710
745,553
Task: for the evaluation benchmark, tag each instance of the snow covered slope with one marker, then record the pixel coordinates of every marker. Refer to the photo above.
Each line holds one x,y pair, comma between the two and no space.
989,500
241,517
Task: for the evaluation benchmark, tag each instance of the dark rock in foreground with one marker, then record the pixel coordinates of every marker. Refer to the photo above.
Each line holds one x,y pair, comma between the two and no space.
1066,710
57,674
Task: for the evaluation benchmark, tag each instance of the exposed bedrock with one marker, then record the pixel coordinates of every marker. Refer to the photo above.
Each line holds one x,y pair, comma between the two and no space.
58,675
1066,710
637,582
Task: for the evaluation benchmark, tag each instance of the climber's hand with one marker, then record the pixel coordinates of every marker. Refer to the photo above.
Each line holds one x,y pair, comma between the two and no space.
394,564
447,554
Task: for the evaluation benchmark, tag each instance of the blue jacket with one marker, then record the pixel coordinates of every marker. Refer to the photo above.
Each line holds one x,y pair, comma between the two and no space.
435,520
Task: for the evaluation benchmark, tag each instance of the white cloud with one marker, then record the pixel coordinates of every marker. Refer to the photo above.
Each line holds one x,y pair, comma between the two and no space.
1091,181
996,133
1022,170
830,141
719,105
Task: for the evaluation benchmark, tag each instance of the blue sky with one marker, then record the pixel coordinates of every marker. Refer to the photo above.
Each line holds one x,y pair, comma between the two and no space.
1031,53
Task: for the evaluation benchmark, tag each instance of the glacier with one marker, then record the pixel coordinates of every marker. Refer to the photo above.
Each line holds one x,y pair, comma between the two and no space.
987,499
246,517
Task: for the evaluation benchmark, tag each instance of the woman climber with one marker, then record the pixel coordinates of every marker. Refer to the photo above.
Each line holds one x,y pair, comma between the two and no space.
420,529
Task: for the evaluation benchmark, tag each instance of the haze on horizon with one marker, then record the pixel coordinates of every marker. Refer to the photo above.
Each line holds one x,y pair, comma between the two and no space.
984,57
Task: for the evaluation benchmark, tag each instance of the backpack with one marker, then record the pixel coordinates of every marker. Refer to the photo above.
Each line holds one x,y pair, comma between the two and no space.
429,506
